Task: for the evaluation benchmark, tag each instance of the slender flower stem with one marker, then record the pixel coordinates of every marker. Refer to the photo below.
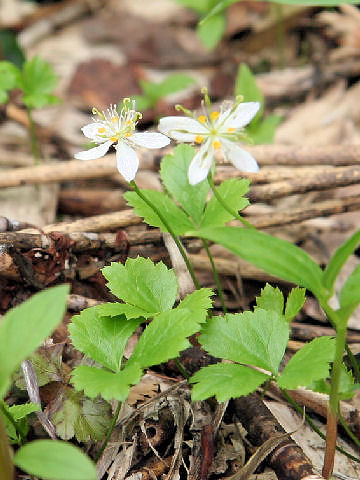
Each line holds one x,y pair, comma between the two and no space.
109,432
216,275
225,205
170,230
35,150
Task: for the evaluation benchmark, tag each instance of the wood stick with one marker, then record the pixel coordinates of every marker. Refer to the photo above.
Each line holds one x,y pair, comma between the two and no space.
90,201
304,331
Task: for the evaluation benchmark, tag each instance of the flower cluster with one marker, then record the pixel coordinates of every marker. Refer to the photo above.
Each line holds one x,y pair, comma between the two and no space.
213,131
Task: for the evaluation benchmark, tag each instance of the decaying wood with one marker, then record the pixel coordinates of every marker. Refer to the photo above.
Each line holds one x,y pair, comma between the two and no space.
89,202
76,303
306,332
152,469
287,459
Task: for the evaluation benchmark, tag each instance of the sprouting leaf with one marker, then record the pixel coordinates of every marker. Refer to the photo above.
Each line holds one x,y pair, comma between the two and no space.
225,381
197,302
271,298
294,303
350,293
19,414
256,338
308,364
77,415
24,328
245,85
338,259
55,460
37,82
232,191
20,411
115,309
211,31
102,338
165,337
274,255
178,220
97,381
174,175
142,283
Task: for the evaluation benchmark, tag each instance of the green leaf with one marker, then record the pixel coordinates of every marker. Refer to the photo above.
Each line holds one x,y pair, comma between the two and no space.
308,364
20,411
274,255
225,381
271,299
165,337
232,191
9,75
76,415
178,220
142,283
263,131
256,338
143,102
245,85
338,259
115,309
102,338
25,327
96,381
211,31
199,6
173,83
37,82
174,176
294,303
198,302
55,460
350,293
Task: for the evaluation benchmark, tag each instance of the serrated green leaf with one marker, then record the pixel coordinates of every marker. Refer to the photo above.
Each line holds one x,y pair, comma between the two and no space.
87,420
25,327
96,381
225,381
211,31
338,259
308,364
178,220
263,131
102,338
350,292
165,337
142,283
294,303
37,82
115,309
274,255
271,298
174,176
20,411
256,338
9,75
55,460
232,191
198,303
245,85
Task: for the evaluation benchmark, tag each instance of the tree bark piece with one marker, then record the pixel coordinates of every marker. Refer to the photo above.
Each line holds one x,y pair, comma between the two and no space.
89,202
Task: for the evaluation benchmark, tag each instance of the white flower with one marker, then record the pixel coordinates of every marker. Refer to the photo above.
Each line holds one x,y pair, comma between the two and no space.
118,129
214,131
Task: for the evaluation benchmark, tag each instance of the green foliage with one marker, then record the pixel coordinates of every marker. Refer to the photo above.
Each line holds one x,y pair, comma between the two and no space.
271,299
103,338
261,130
308,364
19,414
295,301
55,460
274,255
25,327
350,293
347,386
154,92
174,176
37,82
8,79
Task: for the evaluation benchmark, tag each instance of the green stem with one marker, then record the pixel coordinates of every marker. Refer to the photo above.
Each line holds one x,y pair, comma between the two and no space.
109,432
225,205
313,426
35,150
216,275
170,230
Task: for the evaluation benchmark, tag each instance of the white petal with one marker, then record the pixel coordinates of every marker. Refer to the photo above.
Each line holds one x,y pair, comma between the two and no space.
127,161
92,131
150,139
182,129
95,152
201,164
243,115
240,158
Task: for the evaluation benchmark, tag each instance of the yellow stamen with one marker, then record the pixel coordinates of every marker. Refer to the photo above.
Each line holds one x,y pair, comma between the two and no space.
231,129
199,139
202,119
216,144
101,130
113,139
129,122
214,115
115,119
127,134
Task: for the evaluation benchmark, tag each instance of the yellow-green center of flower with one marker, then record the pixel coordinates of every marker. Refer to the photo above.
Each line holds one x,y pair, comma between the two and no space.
199,139
216,144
